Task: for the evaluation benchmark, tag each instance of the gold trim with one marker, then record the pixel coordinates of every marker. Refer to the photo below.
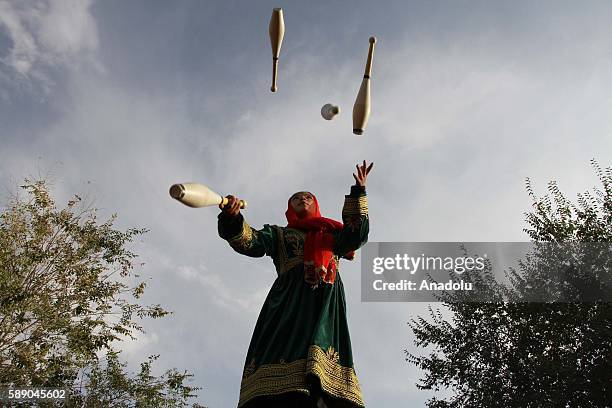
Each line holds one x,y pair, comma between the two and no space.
244,239
249,369
296,242
332,354
285,263
295,238
273,379
336,380
355,206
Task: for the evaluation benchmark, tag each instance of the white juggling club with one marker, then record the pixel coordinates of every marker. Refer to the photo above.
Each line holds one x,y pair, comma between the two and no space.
198,195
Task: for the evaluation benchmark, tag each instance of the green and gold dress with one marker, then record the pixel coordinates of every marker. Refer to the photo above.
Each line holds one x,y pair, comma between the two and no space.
301,342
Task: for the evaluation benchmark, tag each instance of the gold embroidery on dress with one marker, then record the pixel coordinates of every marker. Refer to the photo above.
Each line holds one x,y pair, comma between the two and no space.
336,261
286,263
296,244
271,379
244,240
332,354
311,274
336,380
249,369
355,206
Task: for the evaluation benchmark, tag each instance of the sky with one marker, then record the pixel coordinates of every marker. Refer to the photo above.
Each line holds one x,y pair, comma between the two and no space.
115,101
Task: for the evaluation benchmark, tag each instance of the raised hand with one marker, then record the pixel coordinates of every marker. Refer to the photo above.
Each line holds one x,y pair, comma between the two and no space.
362,173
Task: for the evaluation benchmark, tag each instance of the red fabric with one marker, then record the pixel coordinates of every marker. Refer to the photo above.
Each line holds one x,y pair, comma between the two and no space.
319,244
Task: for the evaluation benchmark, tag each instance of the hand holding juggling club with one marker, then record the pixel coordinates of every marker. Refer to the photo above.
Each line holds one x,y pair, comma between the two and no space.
198,195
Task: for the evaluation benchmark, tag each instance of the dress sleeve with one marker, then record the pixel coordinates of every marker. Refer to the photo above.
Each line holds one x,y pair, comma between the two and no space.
354,234
246,240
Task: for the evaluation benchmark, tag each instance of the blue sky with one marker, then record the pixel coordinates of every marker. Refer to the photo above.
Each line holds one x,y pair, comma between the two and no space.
118,100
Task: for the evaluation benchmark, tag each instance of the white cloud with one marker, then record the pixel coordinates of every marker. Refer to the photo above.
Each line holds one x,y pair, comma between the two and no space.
219,291
24,48
47,34
132,347
68,28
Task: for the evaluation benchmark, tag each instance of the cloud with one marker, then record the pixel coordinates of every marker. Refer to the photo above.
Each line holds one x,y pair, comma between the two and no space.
455,128
220,292
45,34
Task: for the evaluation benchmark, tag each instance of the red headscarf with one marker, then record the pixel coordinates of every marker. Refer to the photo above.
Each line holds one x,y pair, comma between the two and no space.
319,262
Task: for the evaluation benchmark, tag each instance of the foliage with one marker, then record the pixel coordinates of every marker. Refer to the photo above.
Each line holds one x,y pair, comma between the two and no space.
68,292
528,354
109,385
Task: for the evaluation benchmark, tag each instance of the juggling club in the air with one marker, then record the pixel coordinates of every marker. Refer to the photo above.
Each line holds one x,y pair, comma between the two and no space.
277,32
361,108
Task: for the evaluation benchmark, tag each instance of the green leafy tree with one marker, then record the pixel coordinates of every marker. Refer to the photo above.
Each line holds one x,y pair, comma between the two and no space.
529,354
109,385
68,294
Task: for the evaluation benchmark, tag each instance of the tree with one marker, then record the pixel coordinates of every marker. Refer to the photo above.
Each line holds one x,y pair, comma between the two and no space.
109,385
68,291
529,354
